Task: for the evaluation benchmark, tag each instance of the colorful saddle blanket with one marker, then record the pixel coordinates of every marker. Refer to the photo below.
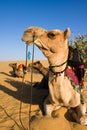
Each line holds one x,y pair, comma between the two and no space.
69,72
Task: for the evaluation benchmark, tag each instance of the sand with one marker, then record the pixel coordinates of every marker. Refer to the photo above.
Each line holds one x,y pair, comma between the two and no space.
20,103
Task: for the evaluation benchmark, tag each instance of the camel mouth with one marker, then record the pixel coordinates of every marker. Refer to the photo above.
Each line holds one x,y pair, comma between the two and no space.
28,43
40,44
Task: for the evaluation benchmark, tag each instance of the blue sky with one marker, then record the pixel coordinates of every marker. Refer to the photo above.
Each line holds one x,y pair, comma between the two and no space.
17,15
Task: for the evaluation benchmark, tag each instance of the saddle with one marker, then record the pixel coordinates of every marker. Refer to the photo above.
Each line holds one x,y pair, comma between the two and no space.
69,72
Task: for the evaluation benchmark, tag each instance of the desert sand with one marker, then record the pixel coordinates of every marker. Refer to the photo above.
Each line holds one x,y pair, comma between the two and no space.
20,103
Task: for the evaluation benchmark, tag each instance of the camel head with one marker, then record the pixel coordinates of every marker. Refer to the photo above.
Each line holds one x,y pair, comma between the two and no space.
53,43
13,66
36,65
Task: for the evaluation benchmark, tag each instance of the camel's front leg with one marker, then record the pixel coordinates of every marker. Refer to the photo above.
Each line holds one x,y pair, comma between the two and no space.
83,118
79,114
48,107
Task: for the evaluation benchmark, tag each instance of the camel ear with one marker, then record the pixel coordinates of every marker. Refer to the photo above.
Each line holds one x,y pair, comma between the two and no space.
67,33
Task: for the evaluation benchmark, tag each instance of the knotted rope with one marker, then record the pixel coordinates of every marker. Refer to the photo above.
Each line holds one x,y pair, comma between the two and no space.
31,87
31,79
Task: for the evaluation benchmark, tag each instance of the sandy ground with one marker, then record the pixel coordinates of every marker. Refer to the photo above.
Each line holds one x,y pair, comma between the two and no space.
16,96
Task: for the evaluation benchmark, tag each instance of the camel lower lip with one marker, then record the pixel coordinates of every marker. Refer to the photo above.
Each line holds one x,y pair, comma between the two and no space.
28,43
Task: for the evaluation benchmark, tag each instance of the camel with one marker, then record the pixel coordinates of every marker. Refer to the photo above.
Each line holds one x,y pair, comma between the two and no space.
38,66
18,71
43,84
14,68
54,45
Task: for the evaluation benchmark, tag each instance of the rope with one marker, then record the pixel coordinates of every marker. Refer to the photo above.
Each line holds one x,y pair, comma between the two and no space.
29,126
20,118
26,54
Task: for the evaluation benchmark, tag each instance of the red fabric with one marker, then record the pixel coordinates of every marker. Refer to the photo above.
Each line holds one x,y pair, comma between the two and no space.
71,74
20,66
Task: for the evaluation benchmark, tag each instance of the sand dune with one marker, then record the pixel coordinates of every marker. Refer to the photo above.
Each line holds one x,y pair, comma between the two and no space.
15,100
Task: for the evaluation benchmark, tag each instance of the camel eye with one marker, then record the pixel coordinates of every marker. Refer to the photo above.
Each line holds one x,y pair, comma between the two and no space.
51,35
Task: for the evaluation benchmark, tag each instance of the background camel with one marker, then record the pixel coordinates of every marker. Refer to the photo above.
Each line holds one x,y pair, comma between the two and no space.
18,71
38,66
43,84
54,46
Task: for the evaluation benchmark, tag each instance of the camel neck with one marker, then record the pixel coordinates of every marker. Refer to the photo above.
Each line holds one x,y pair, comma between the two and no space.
61,67
43,70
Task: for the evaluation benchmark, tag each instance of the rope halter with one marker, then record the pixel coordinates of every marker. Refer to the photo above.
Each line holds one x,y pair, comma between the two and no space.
58,73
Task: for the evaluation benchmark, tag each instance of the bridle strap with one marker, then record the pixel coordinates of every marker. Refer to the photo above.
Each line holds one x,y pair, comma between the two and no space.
57,73
57,65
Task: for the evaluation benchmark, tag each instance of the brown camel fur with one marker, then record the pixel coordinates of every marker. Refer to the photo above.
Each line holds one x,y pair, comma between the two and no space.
18,71
54,45
38,66
43,84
